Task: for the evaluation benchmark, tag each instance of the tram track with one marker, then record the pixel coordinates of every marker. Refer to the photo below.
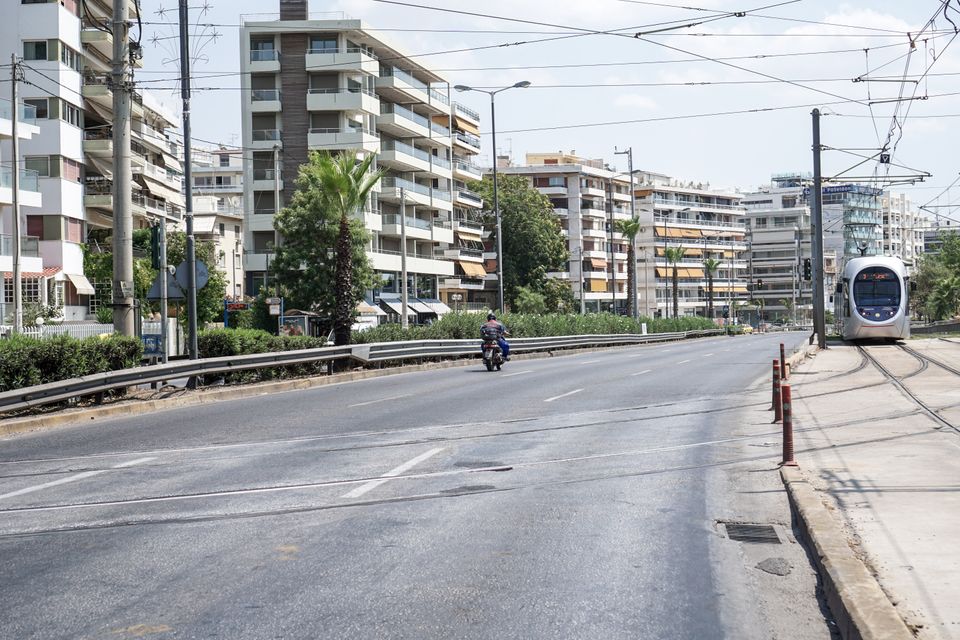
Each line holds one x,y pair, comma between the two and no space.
897,381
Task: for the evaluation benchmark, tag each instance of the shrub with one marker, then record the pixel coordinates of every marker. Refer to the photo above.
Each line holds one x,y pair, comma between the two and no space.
28,361
236,342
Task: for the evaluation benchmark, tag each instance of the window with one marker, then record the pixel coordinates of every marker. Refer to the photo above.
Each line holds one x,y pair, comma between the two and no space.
69,57
236,229
72,115
262,44
41,105
74,230
323,44
224,160
262,241
72,170
35,50
29,288
40,164
222,229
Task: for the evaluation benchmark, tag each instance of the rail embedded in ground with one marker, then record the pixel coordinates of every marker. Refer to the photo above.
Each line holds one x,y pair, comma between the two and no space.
363,354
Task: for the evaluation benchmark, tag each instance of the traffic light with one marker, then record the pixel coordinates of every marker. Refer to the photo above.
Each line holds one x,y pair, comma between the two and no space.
807,269
759,283
155,246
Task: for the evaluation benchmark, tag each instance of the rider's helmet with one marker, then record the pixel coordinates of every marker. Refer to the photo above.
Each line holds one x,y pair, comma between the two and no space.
491,316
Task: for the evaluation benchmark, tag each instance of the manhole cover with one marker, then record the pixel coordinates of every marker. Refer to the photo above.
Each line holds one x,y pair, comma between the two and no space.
756,533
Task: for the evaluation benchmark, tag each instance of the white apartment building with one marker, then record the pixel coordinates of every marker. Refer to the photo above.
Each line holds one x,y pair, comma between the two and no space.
35,286
218,210
587,196
704,222
331,85
903,228
66,56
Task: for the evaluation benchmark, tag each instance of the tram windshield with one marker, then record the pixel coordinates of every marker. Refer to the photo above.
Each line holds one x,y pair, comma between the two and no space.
876,287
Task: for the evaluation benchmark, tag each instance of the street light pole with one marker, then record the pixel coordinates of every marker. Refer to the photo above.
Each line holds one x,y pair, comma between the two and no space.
496,194
634,301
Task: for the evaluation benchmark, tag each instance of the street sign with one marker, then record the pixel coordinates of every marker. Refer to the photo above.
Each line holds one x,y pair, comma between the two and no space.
275,309
237,306
174,292
203,275
272,301
152,344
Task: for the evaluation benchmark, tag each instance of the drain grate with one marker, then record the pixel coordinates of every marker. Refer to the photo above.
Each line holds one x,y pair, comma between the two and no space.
756,533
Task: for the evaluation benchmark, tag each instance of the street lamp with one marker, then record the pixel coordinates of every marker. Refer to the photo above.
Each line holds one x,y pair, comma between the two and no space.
523,84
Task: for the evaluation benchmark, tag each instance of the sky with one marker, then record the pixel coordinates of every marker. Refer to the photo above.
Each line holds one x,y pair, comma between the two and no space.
719,93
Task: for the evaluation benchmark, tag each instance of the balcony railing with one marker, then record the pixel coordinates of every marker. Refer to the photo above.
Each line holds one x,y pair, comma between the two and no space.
29,180
439,97
264,55
470,113
29,246
333,90
404,76
392,218
697,205
27,113
472,140
443,131
403,112
263,95
410,254
467,167
400,183
265,135
466,194
265,174
365,52
369,132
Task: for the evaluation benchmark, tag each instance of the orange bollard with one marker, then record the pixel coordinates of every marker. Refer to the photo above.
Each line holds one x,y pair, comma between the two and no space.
777,406
783,363
788,460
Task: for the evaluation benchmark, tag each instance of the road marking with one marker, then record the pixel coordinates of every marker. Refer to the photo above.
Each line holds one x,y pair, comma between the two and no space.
73,478
640,373
516,373
363,404
396,471
563,395
591,362
707,355
683,362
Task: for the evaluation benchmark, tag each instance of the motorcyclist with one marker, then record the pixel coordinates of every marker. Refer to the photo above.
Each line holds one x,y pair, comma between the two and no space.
492,324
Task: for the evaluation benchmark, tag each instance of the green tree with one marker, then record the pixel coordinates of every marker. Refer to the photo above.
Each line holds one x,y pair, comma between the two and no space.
558,296
945,301
630,228
673,256
529,301
532,240
322,262
710,265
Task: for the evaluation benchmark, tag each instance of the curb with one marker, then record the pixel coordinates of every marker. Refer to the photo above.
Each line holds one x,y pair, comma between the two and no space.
63,418
860,608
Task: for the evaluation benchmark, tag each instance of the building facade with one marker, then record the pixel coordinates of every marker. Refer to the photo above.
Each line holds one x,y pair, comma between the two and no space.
330,85
218,210
902,229
66,52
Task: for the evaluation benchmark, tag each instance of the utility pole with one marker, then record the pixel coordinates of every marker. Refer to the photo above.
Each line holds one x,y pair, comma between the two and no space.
187,176
15,183
634,301
123,310
608,209
796,272
496,206
164,334
816,237
404,294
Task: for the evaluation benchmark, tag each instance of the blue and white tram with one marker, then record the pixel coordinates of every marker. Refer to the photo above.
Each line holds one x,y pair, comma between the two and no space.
872,299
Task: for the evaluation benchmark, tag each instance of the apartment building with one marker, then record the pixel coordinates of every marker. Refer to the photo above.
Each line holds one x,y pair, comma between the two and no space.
35,283
902,228
706,223
331,85
588,197
218,210
66,49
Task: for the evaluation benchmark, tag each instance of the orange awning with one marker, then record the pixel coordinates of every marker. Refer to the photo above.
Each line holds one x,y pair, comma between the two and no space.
465,125
598,286
472,269
598,264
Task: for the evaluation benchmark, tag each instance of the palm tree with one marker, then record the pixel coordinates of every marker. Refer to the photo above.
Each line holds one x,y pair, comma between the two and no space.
345,184
673,256
630,228
758,303
710,265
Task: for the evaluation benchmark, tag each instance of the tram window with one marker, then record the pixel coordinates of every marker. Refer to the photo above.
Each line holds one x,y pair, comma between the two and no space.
876,287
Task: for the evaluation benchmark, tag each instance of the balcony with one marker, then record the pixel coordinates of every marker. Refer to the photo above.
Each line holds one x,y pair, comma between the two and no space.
345,138
469,141
264,180
593,233
416,228
440,101
29,246
95,89
415,194
28,187
466,170
401,86
466,112
553,190
593,191
462,253
405,157
27,113
467,197
265,100
462,282
468,227
359,100
344,60
264,61
401,121
101,41
265,139
98,143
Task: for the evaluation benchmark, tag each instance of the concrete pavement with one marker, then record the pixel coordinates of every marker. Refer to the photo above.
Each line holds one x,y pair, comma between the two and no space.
889,473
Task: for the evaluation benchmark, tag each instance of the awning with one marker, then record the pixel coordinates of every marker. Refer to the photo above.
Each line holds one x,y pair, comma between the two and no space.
692,252
472,269
397,307
365,309
438,307
203,224
466,125
82,285
469,234
598,286
691,273
598,264
690,233
663,273
420,307
668,232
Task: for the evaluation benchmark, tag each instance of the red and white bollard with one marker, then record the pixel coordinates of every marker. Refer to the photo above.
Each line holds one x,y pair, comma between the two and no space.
788,460
777,407
783,363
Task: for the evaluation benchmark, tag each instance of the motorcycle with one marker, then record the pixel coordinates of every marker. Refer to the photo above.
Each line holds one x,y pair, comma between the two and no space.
492,354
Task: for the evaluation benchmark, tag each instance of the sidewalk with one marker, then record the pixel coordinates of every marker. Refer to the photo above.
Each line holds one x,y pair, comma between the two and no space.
890,478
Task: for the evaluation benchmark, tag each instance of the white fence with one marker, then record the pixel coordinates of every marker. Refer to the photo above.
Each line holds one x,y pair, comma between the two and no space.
89,330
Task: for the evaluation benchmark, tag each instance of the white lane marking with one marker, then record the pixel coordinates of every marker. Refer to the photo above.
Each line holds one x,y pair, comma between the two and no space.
373,484
363,404
591,362
640,373
683,362
563,395
73,478
516,373
707,355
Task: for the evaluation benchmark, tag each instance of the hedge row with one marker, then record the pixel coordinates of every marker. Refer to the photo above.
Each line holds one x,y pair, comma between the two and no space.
234,342
25,362
467,325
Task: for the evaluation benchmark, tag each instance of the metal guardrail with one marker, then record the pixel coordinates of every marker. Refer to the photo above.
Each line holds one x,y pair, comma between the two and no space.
366,354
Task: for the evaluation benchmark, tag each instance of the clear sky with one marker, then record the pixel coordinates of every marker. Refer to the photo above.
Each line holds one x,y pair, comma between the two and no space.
592,92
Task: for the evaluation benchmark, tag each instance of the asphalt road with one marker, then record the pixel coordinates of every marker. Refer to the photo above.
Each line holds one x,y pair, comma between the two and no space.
571,497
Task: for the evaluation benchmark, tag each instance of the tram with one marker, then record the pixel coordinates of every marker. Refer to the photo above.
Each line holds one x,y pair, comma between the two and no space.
872,299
